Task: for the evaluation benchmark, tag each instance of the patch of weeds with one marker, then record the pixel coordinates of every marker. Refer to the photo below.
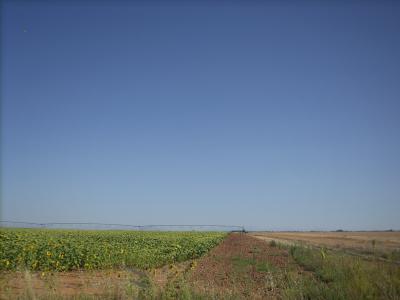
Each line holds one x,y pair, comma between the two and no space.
340,276
308,288
306,257
177,289
242,263
147,288
273,243
131,290
395,255
217,258
265,267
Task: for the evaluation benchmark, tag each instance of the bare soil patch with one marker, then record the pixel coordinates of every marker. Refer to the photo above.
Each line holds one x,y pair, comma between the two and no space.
66,284
98,284
241,266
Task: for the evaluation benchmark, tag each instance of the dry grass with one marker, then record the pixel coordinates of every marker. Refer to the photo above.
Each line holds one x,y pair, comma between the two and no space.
386,244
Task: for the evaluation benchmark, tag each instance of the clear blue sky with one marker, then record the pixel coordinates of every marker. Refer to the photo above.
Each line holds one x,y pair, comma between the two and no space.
270,114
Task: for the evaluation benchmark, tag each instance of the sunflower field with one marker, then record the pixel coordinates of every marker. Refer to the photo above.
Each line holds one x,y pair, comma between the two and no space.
64,250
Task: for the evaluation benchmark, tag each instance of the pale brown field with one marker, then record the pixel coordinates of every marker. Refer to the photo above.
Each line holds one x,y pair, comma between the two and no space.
368,241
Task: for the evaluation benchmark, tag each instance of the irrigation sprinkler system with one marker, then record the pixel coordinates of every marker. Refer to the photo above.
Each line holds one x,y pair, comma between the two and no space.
106,226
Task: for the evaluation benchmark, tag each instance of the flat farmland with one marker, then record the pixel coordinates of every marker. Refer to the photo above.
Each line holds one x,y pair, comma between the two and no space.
367,242
66,250
76,264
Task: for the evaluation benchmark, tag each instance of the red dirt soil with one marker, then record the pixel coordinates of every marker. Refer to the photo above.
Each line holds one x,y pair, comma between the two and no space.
237,267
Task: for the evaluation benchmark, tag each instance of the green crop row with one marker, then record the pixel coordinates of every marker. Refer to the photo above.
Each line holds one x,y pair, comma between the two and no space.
63,250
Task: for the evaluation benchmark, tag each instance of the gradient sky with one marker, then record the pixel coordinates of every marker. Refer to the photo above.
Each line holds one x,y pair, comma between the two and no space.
274,115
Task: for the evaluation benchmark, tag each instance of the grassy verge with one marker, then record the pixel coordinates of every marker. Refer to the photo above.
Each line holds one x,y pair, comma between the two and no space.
339,276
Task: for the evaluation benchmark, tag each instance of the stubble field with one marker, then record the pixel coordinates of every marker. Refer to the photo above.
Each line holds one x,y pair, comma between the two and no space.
384,244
